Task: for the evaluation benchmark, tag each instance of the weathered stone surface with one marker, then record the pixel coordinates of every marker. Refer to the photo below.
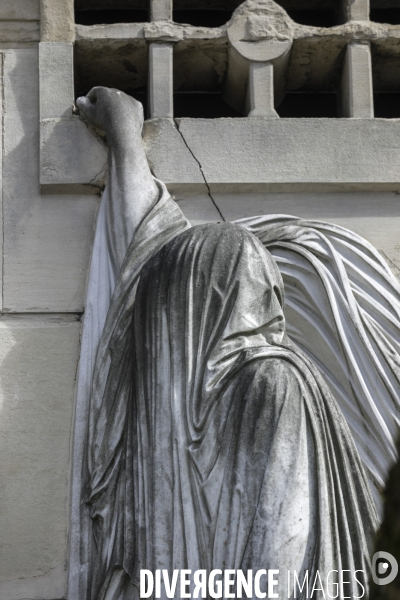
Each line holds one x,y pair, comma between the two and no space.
48,238
198,208
57,20
357,99
72,160
124,31
38,359
284,154
19,31
20,10
260,31
161,85
338,152
260,91
356,10
56,79
160,10
183,168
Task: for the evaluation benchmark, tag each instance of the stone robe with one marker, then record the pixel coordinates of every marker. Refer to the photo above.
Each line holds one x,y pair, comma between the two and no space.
211,440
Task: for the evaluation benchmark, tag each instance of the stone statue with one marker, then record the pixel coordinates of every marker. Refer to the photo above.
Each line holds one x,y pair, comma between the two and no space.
205,438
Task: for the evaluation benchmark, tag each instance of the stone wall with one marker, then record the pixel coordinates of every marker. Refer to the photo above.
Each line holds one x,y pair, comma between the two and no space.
346,171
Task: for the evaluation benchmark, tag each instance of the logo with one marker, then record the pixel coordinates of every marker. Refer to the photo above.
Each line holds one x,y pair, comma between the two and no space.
384,568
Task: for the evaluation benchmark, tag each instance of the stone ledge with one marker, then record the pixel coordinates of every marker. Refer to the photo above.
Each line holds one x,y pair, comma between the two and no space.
242,154
72,160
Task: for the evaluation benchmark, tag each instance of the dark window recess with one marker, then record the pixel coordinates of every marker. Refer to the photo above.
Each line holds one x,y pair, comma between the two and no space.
306,105
315,18
202,18
203,105
106,17
385,15
387,105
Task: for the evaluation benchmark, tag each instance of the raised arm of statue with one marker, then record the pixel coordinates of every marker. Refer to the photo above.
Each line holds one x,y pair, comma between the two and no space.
132,190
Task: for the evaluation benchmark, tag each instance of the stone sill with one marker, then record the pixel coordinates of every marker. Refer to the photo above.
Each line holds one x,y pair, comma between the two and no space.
235,154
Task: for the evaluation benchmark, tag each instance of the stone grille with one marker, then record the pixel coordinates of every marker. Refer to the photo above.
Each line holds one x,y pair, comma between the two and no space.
161,49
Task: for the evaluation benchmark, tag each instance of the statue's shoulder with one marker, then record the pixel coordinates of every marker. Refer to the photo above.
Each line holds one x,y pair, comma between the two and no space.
275,374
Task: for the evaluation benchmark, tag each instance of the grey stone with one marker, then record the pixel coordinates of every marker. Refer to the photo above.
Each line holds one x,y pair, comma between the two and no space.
260,91
357,97
160,10
178,165
161,103
56,79
47,238
20,10
19,31
39,359
57,23
85,169
356,10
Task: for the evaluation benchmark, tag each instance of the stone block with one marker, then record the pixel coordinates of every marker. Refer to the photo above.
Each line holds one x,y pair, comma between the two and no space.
161,99
57,21
20,10
39,361
72,160
169,157
19,32
293,154
56,79
356,94
48,238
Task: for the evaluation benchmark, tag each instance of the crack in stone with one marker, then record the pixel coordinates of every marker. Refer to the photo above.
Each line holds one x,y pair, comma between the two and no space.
201,171
99,179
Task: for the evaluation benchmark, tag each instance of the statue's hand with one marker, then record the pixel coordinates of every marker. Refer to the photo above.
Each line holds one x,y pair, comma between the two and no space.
112,112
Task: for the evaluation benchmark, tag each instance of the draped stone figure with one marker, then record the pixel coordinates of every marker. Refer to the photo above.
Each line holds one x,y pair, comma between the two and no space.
206,437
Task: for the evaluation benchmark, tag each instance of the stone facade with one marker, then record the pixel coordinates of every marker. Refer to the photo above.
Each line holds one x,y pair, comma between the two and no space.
344,170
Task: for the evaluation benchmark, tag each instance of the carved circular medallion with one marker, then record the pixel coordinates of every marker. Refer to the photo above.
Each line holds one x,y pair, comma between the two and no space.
260,30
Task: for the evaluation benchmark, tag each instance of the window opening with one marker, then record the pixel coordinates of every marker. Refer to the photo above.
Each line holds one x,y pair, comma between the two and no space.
385,15
117,65
387,105
105,12
314,18
206,105
202,18
204,13
199,74
386,81
316,13
308,105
